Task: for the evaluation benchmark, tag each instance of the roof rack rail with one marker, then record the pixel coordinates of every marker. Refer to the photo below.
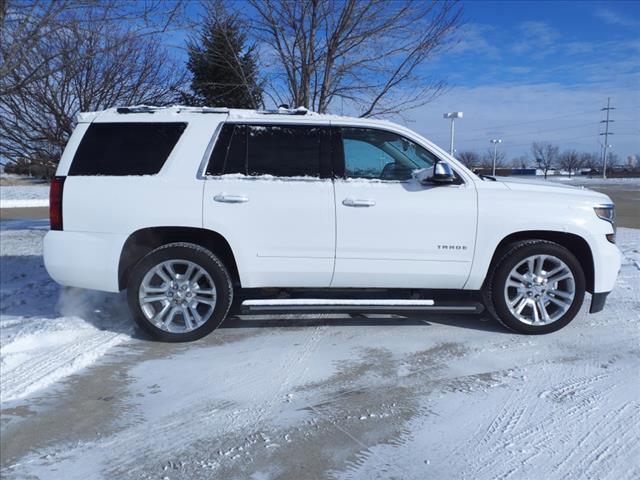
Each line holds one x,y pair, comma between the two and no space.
137,109
177,108
285,110
215,110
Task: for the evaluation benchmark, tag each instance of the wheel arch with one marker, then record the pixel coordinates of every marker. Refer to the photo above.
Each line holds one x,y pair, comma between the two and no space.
143,241
577,245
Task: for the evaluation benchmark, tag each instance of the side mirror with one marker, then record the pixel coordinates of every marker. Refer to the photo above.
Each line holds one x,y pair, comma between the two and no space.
440,173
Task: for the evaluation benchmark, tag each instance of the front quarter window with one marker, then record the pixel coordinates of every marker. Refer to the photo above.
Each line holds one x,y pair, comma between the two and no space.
379,154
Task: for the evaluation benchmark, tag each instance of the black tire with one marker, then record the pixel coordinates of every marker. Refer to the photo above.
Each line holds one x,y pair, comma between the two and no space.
512,256
192,253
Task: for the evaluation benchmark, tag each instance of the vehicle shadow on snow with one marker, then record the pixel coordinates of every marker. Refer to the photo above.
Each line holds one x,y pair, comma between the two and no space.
474,322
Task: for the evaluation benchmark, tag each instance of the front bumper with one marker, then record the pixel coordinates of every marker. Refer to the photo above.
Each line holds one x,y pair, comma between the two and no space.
607,260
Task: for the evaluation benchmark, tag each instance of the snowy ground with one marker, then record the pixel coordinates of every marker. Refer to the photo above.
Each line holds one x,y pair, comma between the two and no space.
24,196
85,395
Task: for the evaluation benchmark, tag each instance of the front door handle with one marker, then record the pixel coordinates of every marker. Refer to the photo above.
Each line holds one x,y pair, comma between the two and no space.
226,198
358,202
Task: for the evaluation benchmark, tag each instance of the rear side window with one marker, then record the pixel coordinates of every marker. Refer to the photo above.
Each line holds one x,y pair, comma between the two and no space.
125,148
278,150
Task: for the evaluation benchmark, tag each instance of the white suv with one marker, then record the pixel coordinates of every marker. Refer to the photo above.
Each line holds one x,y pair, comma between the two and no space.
198,210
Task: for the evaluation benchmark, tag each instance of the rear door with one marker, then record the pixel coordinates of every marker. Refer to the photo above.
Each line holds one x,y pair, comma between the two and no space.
392,231
268,191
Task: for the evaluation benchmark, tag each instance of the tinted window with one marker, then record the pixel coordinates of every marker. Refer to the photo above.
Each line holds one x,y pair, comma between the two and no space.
378,154
236,161
283,150
125,148
278,150
219,152
230,152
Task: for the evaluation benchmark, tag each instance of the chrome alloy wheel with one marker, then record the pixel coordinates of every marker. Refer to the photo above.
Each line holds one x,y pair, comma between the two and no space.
177,296
539,290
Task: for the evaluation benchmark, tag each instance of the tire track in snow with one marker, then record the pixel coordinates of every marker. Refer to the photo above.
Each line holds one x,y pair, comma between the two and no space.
615,433
204,422
507,451
48,365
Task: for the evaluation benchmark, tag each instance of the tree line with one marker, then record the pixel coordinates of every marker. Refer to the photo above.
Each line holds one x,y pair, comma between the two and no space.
58,58
544,156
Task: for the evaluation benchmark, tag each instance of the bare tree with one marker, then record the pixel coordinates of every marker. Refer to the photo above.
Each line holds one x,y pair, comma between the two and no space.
593,161
89,69
546,155
369,54
469,159
570,161
486,161
520,162
27,25
613,160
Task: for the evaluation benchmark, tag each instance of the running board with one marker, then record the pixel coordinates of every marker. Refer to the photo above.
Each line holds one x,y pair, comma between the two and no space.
324,305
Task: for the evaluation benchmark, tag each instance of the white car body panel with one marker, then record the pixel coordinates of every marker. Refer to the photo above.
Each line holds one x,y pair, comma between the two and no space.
403,238
297,232
505,208
275,241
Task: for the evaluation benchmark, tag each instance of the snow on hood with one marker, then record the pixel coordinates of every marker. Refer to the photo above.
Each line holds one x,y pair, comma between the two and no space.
549,187
541,183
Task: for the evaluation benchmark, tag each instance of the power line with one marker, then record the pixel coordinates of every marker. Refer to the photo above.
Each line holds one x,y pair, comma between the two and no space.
534,132
606,134
509,125
564,140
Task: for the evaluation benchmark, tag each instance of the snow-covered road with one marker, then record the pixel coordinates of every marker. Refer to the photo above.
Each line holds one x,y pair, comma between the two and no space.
84,395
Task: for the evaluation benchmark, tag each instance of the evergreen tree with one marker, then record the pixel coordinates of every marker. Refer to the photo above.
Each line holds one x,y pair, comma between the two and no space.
224,68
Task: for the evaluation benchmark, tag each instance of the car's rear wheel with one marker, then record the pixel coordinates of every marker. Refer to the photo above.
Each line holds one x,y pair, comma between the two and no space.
179,292
538,287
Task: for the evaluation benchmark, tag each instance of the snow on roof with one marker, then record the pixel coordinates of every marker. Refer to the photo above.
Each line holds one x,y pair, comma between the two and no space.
290,114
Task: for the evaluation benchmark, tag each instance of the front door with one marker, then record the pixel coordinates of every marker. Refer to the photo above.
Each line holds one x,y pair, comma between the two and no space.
268,192
392,231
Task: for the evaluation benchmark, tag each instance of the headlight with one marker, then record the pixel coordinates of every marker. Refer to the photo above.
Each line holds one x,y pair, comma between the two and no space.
606,212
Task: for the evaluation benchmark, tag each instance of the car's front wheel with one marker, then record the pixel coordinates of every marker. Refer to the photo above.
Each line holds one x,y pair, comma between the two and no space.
179,292
538,287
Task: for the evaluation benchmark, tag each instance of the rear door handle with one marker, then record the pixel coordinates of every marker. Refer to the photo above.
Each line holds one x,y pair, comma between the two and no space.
225,198
358,202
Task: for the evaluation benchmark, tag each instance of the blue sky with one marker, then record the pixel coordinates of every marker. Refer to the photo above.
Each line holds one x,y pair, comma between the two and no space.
528,71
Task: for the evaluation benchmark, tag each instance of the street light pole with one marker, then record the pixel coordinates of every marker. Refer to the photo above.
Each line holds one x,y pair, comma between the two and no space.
495,142
452,116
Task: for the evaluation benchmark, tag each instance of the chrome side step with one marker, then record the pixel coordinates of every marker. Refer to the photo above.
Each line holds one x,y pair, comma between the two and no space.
326,305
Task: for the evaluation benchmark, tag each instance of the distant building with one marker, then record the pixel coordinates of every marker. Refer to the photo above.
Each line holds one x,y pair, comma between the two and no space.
523,171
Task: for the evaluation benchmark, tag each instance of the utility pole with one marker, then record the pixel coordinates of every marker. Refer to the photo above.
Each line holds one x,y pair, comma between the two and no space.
452,116
606,136
495,142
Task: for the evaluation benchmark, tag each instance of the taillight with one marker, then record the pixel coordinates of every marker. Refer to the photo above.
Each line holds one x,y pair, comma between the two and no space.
55,203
